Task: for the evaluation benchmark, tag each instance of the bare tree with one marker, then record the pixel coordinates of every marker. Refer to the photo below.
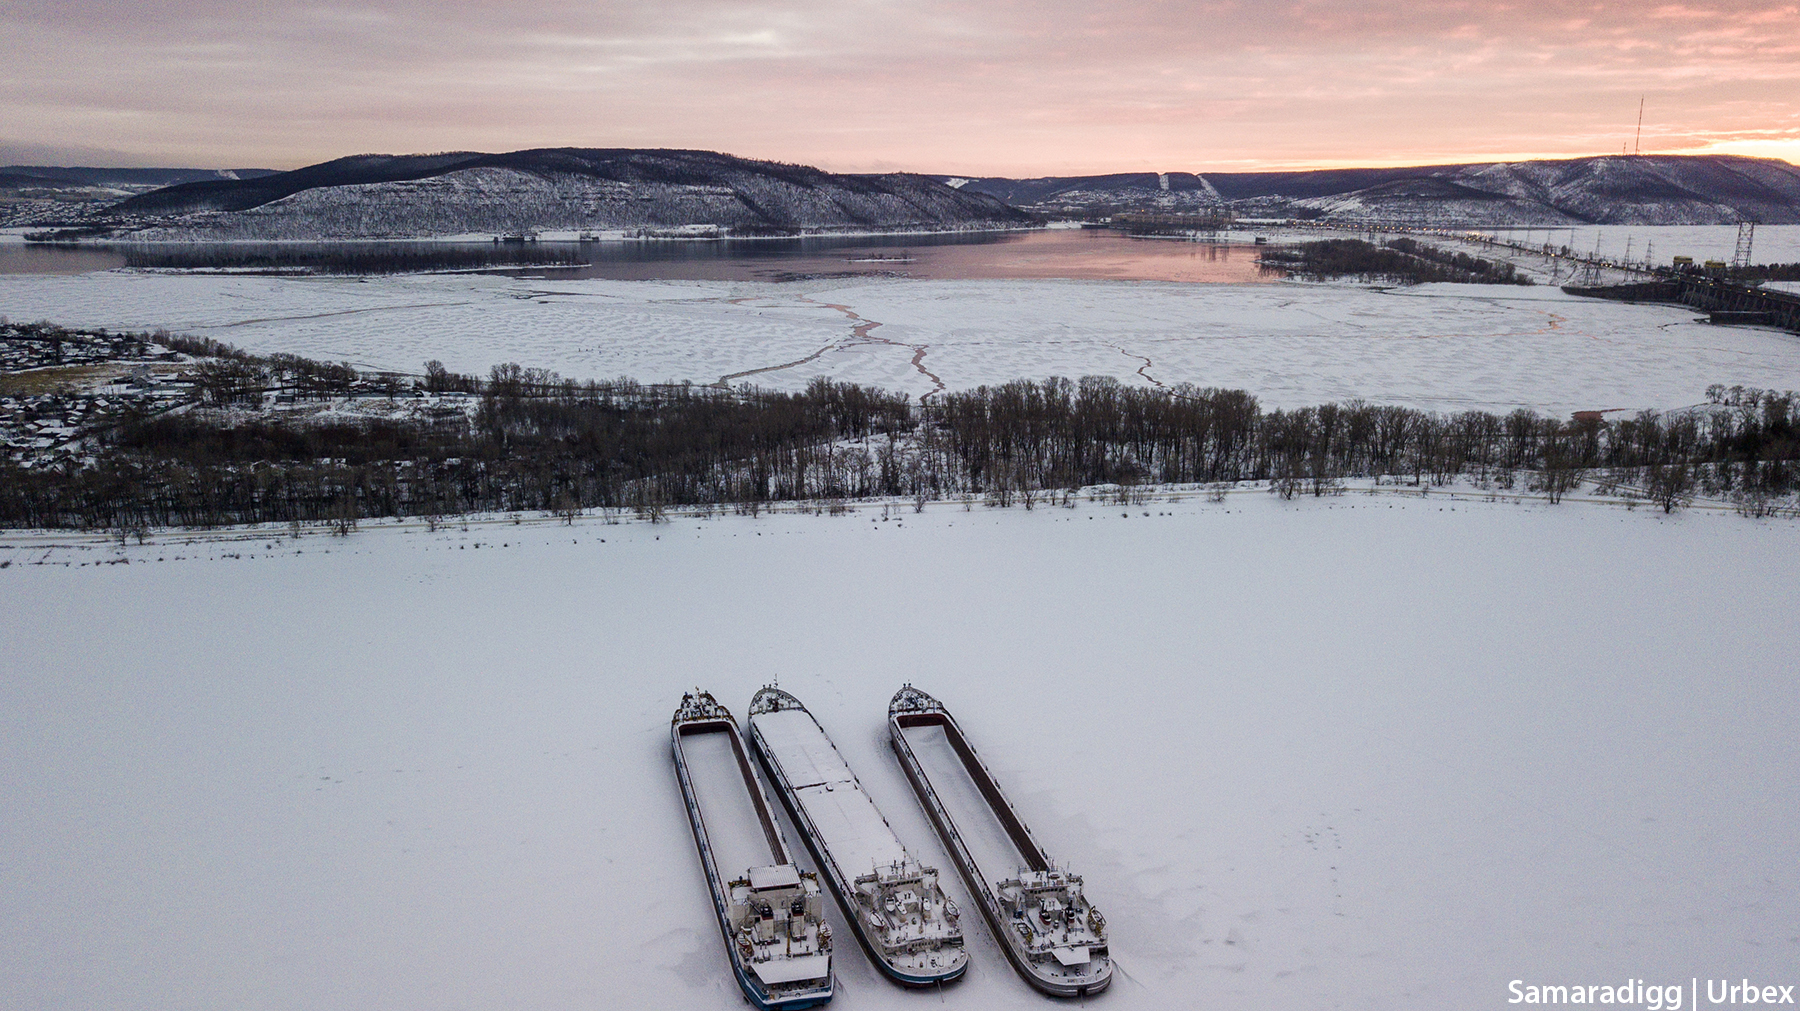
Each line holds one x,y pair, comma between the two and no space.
567,509
343,514
1668,485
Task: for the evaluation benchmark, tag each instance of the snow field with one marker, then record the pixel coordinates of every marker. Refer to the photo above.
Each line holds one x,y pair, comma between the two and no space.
1361,752
1443,347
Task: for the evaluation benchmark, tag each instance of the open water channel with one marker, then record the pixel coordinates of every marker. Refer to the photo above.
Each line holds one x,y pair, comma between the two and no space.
1080,254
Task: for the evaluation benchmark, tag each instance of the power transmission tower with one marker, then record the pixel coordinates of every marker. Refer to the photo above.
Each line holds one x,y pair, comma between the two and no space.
1590,268
1746,235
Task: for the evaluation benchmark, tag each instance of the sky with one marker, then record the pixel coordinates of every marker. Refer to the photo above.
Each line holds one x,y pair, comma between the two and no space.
996,87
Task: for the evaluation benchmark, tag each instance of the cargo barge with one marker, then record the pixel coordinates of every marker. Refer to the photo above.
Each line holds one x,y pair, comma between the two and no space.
894,904
1042,921
769,911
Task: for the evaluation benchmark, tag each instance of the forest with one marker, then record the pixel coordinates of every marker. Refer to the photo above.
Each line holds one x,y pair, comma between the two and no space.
1400,260
521,439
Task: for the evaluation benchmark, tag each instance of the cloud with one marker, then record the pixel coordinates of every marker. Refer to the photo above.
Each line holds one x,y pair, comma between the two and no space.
14,152
1005,86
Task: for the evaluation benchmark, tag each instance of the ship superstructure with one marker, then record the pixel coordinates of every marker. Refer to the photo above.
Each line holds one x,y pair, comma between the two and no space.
906,923
770,912
1052,936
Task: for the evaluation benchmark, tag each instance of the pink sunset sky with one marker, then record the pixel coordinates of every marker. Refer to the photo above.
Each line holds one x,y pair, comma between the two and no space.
988,87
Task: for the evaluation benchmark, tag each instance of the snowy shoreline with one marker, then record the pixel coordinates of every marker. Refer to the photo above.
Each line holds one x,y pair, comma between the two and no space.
1462,491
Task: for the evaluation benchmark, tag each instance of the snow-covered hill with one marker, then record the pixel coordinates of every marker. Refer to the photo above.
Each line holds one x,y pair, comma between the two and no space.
1637,190
554,190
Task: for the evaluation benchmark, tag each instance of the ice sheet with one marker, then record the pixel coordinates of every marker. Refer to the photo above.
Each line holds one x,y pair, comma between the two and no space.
1442,347
1369,752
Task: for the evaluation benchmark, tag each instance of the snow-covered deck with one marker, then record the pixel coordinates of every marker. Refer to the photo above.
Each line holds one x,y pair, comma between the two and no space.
734,828
990,846
844,815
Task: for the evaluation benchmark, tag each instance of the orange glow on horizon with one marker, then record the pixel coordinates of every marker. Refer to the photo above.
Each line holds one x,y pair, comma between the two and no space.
1032,88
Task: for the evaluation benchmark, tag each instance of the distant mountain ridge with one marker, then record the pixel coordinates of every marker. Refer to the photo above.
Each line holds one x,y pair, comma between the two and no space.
1613,189
669,192
73,175
552,189
63,194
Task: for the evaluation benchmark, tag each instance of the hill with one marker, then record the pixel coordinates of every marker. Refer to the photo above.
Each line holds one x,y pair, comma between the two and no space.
62,195
551,189
1635,190
126,178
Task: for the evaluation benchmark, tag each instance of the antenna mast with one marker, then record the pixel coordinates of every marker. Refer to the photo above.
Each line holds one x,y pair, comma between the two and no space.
1637,146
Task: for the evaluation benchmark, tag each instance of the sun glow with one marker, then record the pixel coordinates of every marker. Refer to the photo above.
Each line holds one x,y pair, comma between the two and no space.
1787,149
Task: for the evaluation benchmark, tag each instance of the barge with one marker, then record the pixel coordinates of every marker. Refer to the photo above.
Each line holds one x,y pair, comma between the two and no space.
770,912
1045,925
894,904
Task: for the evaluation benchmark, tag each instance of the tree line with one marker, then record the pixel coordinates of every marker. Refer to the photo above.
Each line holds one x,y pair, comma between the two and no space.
1403,260
528,439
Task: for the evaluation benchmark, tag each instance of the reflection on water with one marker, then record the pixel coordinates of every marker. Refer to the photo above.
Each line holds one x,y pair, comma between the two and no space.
314,257
1079,254
34,259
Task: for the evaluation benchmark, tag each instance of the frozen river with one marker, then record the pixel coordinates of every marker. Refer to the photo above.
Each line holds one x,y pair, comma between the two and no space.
1443,347
1363,752
953,313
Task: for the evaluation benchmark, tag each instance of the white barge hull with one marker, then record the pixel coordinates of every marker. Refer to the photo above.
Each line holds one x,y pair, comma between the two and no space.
770,912
910,928
1037,911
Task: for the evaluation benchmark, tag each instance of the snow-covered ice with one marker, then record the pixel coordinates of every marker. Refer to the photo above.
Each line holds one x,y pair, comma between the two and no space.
1364,752
1447,347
